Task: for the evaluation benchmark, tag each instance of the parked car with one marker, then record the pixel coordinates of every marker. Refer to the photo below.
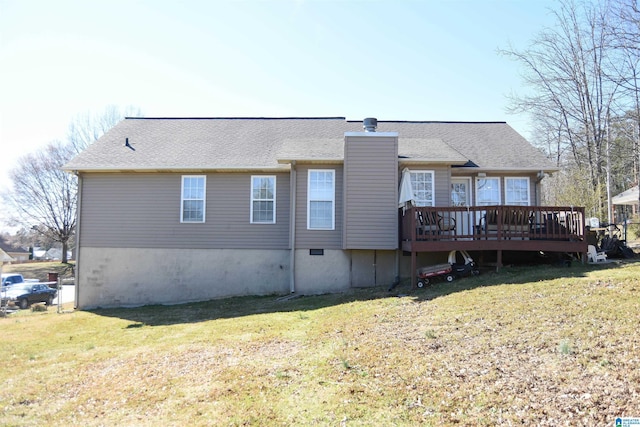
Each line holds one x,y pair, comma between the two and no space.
10,279
25,294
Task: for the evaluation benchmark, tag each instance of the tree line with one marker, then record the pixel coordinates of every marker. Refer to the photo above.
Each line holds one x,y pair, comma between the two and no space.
584,80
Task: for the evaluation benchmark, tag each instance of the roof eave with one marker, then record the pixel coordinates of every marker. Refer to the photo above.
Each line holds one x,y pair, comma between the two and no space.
510,169
417,160
164,169
325,160
519,169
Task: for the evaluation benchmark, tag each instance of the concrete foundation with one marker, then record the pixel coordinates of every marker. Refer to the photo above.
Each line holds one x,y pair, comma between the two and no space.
319,274
117,277
112,277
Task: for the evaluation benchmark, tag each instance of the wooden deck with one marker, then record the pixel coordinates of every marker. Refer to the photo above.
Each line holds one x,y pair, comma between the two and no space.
493,228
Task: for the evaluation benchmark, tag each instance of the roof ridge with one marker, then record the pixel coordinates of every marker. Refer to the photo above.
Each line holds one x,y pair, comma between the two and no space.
433,121
236,118
318,118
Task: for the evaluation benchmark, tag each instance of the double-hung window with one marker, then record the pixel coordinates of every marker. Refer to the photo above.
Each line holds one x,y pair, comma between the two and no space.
192,203
488,191
422,185
516,191
263,199
321,190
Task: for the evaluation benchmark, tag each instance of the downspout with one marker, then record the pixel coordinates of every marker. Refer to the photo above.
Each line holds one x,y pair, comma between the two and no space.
78,216
538,183
292,227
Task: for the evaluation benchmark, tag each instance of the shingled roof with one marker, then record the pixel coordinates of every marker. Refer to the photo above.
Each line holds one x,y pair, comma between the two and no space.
4,257
190,144
8,247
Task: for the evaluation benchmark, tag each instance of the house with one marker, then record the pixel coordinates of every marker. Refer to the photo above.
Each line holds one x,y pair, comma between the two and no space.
629,197
16,254
185,209
55,254
40,254
5,258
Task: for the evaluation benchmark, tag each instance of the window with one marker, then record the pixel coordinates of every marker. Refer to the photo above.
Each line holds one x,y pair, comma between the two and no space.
321,200
193,198
460,192
516,191
263,199
487,191
422,185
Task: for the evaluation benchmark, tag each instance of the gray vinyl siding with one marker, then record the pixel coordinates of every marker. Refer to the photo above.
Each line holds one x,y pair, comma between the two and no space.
143,211
371,192
442,184
317,239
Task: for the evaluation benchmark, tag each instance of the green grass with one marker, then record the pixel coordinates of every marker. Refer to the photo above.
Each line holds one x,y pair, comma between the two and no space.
529,346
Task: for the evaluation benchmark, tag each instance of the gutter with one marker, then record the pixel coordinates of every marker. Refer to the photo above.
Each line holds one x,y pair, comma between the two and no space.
172,169
292,227
548,170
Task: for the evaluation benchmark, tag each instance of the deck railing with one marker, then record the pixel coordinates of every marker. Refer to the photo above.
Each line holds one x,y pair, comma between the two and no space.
500,222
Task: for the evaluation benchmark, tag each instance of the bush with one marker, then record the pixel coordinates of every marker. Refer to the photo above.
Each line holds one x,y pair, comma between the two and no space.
38,307
633,230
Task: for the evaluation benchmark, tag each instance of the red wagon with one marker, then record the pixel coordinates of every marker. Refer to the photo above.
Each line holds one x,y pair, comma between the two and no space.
426,273
449,271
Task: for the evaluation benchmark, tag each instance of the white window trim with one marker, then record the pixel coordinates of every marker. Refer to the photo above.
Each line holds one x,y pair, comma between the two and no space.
475,185
433,186
251,221
204,200
508,178
332,200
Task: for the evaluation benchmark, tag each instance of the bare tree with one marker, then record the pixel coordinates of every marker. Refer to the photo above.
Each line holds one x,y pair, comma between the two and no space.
572,188
43,198
572,100
626,29
88,127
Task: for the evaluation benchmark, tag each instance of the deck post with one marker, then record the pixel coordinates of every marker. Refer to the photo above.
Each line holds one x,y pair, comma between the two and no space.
413,269
499,260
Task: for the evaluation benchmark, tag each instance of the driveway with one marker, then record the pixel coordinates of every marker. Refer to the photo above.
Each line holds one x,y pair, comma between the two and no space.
67,294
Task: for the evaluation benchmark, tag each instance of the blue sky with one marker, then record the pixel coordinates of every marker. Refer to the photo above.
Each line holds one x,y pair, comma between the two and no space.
394,60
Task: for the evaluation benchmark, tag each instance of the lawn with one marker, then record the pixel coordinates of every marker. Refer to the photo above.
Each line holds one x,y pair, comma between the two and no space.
41,270
529,346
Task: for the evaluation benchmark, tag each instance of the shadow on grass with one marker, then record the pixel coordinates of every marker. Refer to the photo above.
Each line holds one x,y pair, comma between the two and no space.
156,315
